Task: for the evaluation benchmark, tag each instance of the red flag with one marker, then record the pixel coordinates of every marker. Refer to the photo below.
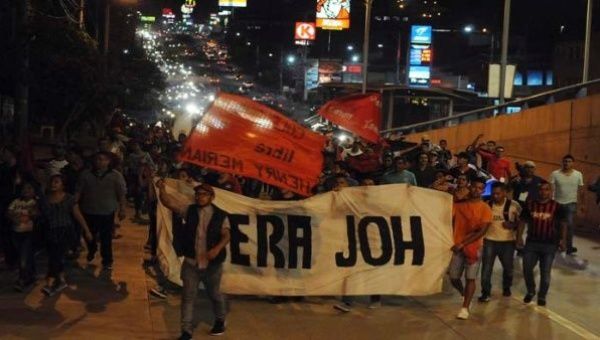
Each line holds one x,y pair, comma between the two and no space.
359,113
240,136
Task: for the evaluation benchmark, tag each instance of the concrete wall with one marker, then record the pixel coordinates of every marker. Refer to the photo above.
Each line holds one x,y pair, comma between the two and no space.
544,135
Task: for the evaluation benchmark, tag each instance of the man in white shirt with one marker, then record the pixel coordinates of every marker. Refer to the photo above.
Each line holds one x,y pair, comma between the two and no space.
499,241
567,184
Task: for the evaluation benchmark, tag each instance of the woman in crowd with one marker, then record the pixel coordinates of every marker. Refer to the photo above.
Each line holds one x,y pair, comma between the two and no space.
59,211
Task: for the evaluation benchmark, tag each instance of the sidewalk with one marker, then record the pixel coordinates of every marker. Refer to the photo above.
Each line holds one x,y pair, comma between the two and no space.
117,306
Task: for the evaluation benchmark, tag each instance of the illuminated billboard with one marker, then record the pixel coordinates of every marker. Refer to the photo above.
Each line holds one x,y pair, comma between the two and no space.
232,3
419,56
333,14
420,34
305,31
419,75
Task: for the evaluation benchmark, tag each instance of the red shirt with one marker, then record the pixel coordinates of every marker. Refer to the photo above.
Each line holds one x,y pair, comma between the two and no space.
497,167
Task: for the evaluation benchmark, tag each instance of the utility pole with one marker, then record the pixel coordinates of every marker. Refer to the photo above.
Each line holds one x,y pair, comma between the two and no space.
586,48
398,54
106,27
22,69
81,15
504,56
368,7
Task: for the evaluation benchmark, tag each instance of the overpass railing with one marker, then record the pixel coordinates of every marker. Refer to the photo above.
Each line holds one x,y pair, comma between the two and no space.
543,98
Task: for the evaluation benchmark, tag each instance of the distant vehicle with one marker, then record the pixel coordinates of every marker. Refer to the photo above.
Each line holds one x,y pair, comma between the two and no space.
248,84
214,80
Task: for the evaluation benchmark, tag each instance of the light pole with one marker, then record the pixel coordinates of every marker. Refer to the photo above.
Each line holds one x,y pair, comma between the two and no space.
586,48
368,7
504,53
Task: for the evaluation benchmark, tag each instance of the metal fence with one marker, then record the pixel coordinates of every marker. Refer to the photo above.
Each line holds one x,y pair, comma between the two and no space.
544,98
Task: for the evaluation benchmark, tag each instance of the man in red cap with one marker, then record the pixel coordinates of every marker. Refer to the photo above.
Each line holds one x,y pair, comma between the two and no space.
204,236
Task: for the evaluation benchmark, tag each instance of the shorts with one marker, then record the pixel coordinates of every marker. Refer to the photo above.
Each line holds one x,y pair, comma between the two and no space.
458,264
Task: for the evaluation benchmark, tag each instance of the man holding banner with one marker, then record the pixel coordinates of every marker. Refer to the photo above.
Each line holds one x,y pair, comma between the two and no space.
204,236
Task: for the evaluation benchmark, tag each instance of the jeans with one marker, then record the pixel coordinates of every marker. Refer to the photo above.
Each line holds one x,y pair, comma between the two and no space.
101,225
532,253
569,211
505,251
191,277
23,243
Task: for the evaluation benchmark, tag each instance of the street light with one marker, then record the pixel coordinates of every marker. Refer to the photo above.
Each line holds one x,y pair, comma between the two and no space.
355,58
468,29
237,34
291,59
368,8
350,48
379,45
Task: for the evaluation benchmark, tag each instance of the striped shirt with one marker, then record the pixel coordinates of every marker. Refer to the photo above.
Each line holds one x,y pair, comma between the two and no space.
542,221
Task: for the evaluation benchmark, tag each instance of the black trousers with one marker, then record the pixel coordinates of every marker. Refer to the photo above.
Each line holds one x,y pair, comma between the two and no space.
152,236
56,257
101,227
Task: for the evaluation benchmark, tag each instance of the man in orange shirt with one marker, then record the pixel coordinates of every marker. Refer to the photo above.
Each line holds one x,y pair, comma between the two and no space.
471,220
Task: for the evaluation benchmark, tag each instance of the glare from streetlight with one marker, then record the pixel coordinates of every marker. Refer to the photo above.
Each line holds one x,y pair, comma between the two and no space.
379,45
350,48
291,59
355,58
468,29
192,109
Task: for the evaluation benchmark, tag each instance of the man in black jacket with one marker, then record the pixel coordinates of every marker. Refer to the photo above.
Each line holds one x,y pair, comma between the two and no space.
204,236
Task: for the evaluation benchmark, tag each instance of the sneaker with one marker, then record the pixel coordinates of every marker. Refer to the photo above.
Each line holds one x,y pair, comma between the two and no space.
374,305
343,307
484,298
218,328
506,292
19,287
159,292
541,302
48,291
463,314
185,336
60,286
528,298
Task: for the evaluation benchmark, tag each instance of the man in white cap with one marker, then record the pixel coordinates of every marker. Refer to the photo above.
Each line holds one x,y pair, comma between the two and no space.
526,185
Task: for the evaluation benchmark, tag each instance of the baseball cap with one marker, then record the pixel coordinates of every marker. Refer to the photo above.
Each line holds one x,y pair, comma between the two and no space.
204,187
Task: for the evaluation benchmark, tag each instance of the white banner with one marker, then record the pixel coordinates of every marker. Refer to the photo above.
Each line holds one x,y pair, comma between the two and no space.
390,240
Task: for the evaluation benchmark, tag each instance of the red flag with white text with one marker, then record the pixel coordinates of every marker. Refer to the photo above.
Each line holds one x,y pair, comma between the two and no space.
358,113
240,136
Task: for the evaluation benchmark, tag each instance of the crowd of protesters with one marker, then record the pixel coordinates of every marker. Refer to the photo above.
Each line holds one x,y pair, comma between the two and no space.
83,192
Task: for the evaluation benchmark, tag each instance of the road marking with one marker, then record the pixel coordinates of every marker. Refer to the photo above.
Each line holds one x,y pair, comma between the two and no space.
568,324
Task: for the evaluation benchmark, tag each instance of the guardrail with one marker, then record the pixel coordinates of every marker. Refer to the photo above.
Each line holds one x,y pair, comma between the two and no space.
486,112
